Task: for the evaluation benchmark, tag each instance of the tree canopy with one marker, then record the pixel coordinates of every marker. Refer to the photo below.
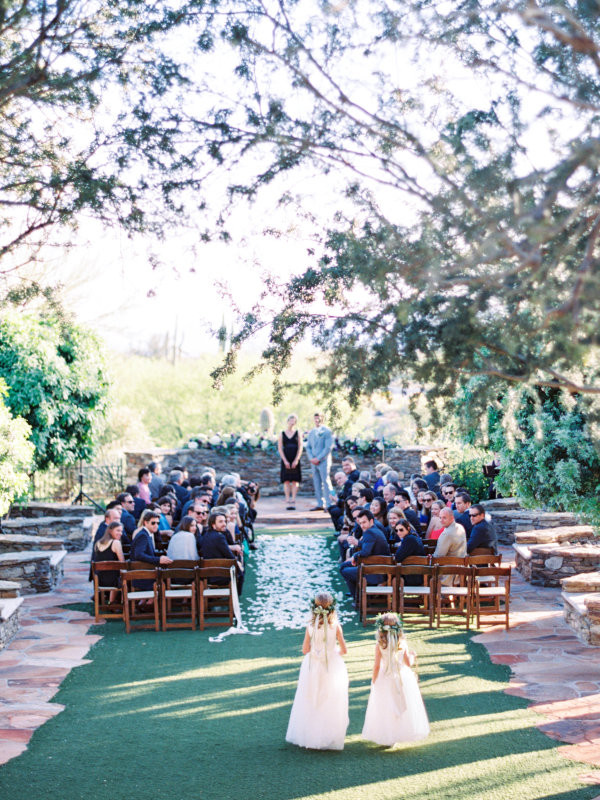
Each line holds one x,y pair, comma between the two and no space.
55,376
465,252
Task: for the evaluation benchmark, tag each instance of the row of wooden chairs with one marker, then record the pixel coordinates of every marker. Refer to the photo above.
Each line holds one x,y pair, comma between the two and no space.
184,591
450,588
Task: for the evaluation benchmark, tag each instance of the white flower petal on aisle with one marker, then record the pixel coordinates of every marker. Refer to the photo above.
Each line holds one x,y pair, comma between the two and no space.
290,571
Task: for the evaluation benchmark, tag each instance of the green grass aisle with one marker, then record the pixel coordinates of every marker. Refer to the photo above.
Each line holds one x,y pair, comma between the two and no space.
171,715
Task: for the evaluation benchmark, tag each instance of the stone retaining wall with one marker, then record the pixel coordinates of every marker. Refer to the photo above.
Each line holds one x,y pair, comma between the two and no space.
35,572
264,466
508,522
9,620
17,543
51,510
75,532
547,565
582,614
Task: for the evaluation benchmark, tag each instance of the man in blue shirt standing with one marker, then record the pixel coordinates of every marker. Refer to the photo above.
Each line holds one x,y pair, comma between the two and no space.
318,449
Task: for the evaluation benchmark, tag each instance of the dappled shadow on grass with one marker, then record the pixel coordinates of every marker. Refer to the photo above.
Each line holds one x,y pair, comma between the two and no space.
171,715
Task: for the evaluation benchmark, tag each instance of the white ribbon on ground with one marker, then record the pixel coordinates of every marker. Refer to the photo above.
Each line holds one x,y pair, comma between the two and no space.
239,626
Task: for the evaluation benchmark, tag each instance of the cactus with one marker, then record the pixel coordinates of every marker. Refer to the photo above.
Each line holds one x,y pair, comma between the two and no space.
267,421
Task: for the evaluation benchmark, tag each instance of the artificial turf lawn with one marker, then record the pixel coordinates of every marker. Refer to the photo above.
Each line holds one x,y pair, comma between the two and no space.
170,715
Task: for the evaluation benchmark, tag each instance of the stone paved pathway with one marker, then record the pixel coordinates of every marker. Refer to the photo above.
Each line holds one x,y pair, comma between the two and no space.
550,667
52,641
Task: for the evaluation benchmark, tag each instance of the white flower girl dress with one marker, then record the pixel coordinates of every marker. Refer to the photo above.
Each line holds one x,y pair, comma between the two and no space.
395,712
319,716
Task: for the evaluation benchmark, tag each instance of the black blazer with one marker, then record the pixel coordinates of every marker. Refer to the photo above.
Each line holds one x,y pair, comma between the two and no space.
465,520
482,535
213,544
142,548
411,545
373,543
413,518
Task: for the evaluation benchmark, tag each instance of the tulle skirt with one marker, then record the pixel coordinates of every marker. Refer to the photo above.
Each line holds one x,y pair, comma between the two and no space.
395,712
319,716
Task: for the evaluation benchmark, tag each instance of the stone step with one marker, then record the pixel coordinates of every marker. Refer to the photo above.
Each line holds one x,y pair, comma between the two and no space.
9,618
51,510
564,533
34,570
501,504
582,613
17,542
75,532
586,582
507,523
9,589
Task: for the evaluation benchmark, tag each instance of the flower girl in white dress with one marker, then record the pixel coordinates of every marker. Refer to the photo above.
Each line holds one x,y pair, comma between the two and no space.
395,712
319,716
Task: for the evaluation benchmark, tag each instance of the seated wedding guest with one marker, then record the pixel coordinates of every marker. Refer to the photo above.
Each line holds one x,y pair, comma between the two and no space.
432,476
166,519
356,487
128,520
402,501
482,533
380,470
417,485
226,493
424,502
108,548
157,479
138,504
410,545
389,494
462,501
182,545
372,543
214,545
364,476
345,490
380,511
233,479
365,496
184,472
234,523
112,514
143,485
435,527
195,491
143,546
448,494
445,478
175,479
391,476
452,540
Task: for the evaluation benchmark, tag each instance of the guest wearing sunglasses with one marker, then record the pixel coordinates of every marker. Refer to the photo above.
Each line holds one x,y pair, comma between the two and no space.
143,547
410,545
482,533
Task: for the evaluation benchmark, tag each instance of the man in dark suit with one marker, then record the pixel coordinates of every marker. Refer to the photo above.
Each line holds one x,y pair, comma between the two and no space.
482,533
410,545
462,502
432,477
403,501
336,511
372,543
213,544
139,504
128,521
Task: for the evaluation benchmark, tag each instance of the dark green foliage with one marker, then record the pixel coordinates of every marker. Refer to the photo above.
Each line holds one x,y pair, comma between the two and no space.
55,376
548,456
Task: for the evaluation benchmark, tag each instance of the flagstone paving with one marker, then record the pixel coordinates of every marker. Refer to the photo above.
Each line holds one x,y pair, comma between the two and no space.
51,641
549,665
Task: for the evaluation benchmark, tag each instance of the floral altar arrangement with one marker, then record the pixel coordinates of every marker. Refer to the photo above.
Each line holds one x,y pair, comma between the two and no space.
266,442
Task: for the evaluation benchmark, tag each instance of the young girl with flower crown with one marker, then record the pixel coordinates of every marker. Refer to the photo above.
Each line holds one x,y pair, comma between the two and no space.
319,716
395,712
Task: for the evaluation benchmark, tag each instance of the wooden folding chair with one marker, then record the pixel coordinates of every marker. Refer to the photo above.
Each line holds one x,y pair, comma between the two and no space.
132,596
487,597
423,595
429,545
367,561
177,587
385,592
482,551
420,561
212,596
454,597
103,608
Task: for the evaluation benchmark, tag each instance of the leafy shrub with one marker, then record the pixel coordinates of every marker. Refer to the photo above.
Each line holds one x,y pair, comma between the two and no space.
16,453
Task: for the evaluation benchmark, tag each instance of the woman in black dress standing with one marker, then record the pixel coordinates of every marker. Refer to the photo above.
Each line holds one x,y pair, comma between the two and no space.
290,447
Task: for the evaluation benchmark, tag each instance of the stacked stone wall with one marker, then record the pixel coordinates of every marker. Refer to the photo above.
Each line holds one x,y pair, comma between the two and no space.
263,467
509,522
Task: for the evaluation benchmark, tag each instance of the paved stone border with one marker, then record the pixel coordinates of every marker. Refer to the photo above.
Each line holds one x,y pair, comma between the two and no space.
549,665
51,641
